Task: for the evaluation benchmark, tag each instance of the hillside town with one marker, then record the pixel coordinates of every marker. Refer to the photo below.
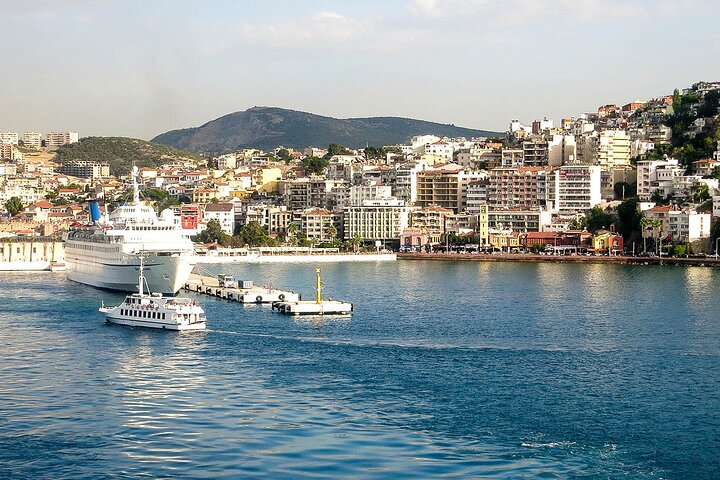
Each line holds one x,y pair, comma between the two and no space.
601,183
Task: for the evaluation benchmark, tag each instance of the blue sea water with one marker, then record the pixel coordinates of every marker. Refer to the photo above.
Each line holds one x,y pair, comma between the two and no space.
446,369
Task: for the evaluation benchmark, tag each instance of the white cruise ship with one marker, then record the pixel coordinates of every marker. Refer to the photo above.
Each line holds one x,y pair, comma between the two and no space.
105,254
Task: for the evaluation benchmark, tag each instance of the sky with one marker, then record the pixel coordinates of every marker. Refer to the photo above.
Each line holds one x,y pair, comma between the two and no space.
140,68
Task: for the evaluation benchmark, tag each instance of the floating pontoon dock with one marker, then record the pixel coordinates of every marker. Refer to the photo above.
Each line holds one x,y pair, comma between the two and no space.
317,307
252,294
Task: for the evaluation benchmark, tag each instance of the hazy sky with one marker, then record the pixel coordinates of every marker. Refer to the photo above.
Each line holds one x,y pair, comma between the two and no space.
139,68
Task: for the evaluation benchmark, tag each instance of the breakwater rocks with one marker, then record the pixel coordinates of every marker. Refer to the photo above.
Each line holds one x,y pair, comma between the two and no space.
703,262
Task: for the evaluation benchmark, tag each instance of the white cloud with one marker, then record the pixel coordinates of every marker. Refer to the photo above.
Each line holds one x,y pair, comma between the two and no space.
331,31
527,11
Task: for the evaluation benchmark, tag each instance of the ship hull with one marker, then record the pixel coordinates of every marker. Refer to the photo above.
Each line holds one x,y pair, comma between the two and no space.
164,273
150,324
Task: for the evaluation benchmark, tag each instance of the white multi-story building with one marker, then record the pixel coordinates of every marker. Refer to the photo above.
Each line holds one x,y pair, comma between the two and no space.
613,148
32,140
681,225
10,137
8,169
441,149
58,139
26,194
418,142
226,162
562,150
520,219
648,172
224,213
575,188
360,193
10,152
377,220
477,196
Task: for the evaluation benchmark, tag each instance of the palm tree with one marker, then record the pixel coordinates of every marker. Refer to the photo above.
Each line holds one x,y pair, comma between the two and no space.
291,233
355,242
644,224
331,233
656,225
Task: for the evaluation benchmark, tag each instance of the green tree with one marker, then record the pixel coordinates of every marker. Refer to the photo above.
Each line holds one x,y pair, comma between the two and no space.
213,233
14,205
596,218
155,194
628,219
254,235
332,233
355,242
700,192
711,101
284,155
677,101
337,149
314,164
291,234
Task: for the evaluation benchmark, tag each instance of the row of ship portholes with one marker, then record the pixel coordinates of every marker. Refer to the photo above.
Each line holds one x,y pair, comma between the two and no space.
145,314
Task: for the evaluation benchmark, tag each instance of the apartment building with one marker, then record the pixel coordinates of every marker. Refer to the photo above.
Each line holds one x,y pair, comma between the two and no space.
681,225
372,191
376,220
224,213
574,188
58,139
13,138
440,149
477,195
431,220
10,152
32,140
296,194
519,219
562,150
534,152
613,149
655,175
517,187
315,224
445,186
277,220
85,169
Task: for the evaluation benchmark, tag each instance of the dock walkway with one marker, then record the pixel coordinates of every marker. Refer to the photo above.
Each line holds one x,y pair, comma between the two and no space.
255,294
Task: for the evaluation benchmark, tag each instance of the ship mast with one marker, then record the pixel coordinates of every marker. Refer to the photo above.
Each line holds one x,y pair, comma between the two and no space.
141,276
136,191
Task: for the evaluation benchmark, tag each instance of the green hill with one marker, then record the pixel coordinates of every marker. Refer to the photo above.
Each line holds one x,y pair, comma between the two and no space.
269,127
122,152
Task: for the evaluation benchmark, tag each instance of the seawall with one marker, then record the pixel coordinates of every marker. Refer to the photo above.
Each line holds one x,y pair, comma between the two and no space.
531,258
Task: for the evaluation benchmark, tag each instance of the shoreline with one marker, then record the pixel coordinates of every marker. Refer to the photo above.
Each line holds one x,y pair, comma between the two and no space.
534,258
292,258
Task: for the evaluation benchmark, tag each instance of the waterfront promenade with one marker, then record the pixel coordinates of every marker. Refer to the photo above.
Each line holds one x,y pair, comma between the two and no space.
534,258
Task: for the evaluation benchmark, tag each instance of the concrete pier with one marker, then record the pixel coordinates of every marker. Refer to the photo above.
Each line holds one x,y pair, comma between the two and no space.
317,307
255,294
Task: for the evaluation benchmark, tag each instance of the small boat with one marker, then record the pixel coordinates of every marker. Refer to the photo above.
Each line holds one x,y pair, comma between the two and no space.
155,311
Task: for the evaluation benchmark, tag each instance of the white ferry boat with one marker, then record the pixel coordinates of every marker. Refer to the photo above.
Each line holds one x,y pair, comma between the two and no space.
105,254
155,311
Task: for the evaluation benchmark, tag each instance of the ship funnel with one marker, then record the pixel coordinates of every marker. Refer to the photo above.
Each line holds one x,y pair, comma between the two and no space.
94,211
